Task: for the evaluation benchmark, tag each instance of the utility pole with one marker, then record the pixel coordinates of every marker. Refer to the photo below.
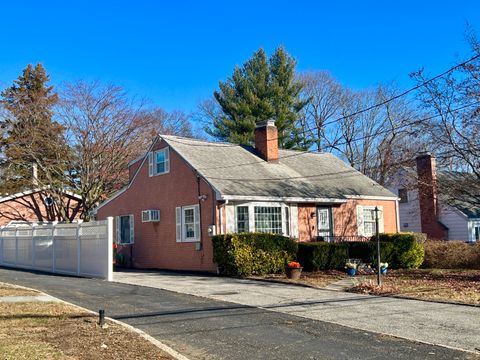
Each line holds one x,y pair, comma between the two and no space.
379,280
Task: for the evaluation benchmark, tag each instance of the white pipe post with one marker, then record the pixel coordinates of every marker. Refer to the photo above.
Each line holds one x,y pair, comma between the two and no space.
79,249
110,248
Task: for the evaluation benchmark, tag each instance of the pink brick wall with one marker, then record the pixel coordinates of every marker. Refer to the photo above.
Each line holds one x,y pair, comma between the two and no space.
155,243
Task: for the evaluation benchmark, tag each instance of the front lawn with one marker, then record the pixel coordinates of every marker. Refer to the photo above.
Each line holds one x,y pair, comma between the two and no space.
461,286
53,330
428,284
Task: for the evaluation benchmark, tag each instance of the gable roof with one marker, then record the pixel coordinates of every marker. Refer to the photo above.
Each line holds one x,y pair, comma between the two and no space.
237,171
34,191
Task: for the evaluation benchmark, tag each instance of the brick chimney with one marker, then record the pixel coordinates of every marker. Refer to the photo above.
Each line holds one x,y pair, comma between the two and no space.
266,140
428,197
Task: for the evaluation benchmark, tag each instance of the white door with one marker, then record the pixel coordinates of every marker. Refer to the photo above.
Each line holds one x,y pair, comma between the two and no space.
324,223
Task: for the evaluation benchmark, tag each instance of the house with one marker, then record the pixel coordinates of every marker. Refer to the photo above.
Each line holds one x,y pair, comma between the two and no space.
424,207
36,206
184,190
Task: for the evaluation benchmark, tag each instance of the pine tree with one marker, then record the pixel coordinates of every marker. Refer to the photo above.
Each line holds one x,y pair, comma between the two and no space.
32,137
261,89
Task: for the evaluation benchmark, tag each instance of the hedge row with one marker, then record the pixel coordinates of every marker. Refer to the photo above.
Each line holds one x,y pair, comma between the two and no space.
248,254
451,255
400,250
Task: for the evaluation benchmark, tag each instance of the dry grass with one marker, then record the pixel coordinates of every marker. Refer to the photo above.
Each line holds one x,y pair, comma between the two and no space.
318,279
461,286
13,290
53,330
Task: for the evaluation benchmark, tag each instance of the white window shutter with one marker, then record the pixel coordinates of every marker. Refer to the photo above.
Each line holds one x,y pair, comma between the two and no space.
294,220
178,215
360,220
150,164
196,213
118,240
132,230
167,160
381,228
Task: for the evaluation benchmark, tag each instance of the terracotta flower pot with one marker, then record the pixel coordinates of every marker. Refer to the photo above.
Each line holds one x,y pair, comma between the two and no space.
293,272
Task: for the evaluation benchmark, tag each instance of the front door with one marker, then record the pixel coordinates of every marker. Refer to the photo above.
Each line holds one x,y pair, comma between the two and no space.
324,223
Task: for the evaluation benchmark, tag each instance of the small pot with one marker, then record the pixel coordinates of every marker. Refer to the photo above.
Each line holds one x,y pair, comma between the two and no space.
383,270
293,272
351,271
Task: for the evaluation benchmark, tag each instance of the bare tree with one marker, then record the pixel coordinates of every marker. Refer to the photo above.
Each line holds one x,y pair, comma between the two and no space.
326,99
106,129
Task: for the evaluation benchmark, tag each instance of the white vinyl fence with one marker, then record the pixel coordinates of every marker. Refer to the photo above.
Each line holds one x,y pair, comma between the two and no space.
84,249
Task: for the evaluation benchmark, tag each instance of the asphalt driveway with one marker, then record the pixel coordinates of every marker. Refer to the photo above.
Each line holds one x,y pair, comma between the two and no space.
202,328
456,326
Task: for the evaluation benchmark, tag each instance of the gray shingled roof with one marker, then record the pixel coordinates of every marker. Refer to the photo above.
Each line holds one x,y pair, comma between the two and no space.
235,170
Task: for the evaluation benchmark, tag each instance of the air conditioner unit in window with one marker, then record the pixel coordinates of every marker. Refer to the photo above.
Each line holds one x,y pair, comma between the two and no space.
150,215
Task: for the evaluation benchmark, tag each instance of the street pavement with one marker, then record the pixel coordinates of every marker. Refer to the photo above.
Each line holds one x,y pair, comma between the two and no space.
206,328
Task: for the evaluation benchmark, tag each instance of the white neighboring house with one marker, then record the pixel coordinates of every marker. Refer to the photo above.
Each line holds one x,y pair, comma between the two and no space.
424,211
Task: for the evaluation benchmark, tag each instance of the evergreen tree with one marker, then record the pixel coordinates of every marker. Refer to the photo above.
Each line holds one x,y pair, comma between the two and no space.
31,137
261,89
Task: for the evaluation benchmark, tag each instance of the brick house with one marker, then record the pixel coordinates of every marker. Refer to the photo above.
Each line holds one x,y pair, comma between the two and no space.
425,207
36,206
184,190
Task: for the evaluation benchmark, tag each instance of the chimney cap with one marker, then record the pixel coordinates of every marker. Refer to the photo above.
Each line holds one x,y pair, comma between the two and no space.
264,123
424,154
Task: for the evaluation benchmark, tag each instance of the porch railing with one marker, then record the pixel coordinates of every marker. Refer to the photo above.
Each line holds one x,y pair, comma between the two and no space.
339,239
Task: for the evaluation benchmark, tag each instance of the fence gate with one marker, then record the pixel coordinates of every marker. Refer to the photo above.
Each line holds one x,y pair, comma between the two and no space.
84,249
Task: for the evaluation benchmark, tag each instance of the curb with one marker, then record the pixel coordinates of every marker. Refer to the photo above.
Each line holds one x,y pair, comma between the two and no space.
175,354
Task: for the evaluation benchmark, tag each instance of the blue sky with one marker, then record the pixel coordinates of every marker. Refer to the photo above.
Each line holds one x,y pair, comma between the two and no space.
176,52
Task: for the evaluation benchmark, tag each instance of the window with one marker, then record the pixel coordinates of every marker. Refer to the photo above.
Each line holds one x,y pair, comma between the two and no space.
476,230
150,215
242,219
268,219
188,223
403,195
159,162
369,224
125,229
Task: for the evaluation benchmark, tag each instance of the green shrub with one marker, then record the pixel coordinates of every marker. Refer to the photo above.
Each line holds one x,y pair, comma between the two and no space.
316,256
248,254
408,250
451,255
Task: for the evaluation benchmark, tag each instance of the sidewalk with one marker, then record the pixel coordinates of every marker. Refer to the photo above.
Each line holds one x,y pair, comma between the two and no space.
448,325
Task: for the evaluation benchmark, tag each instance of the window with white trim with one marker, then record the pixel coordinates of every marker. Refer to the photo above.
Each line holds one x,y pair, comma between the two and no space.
125,229
272,217
268,219
242,219
366,220
369,222
188,223
476,233
159,162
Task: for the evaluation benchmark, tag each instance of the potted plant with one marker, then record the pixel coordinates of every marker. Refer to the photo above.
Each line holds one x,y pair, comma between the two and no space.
293,270
383,268
351,268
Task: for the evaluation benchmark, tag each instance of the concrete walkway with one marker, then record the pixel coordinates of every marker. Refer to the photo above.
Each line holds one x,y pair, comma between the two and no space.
448,325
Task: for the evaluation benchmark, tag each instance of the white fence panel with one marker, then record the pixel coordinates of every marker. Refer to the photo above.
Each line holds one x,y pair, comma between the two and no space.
9,249
77,249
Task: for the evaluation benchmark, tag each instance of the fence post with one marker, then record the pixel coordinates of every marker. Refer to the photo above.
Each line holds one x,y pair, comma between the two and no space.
33,246
53,247
16,246
79,249
110,248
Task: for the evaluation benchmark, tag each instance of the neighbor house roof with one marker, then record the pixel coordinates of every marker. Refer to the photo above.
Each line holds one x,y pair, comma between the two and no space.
459,199
237,171
34,191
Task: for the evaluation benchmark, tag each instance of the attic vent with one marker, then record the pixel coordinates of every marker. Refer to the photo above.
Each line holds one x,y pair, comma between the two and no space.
150,215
